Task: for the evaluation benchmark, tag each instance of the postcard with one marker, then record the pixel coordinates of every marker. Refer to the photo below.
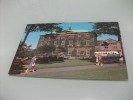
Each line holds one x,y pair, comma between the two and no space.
76,50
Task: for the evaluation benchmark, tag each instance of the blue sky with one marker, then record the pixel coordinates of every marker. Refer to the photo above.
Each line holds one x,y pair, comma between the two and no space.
78,26
33,37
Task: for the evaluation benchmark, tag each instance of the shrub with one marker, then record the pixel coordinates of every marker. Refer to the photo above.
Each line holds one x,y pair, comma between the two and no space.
111,60
106,60
49,59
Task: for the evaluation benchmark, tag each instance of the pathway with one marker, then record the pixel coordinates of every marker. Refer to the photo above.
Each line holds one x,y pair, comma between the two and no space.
61,69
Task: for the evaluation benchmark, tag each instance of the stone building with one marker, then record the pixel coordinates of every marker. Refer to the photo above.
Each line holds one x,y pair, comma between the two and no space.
72,43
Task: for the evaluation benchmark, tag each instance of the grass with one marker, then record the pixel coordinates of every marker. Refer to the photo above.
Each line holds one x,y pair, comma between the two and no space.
66,63
111,73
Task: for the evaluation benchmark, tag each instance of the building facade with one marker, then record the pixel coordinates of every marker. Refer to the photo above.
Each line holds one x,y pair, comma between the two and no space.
72,43
108,45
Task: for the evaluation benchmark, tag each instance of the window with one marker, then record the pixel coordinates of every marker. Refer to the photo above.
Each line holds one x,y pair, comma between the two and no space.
63,37
83,42
71,37
77,43
88,36
55,42
97,48
78,52
91,36
63,42
82,52
113,43
106,46
115,47
88,51
42,43
91,39
90,43
79,35
87,42
48,43
69,52
70,42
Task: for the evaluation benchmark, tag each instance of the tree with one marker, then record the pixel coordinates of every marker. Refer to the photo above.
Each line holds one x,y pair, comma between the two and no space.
105,44
49,27
111,28
46,49
25,50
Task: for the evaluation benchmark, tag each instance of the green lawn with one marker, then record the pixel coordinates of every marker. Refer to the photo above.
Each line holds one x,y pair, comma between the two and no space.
66,63
111,73
104,73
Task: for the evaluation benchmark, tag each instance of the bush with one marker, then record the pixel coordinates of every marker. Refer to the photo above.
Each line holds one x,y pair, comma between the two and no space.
93,59
49,59
106,60
111,60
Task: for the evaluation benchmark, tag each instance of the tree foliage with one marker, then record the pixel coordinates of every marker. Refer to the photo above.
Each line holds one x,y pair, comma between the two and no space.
48,27
46,49
105,44
25,51
111,28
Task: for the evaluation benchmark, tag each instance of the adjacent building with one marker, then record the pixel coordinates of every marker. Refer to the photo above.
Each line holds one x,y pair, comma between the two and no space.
108,45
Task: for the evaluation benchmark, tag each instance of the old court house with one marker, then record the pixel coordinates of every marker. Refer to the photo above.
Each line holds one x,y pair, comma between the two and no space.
72,43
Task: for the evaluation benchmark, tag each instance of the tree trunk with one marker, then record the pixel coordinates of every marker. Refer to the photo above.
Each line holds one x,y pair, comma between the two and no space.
119,37
23,41
120,40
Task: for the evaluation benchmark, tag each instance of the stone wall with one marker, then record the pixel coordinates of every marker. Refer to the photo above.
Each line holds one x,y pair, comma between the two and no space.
80,44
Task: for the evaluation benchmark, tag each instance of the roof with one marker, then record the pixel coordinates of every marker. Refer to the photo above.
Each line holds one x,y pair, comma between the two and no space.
112,40
73,31
69,32
78,30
